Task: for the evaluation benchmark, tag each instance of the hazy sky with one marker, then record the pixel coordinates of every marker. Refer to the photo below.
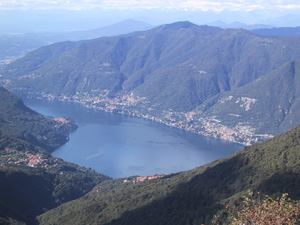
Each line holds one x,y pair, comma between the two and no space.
67,15
216,5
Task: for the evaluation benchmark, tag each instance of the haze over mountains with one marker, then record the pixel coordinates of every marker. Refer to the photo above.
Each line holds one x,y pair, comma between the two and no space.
221,77
279,31
17,44
238,25
45,19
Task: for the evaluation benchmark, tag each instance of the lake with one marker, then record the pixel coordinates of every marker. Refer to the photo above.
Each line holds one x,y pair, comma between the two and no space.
121,146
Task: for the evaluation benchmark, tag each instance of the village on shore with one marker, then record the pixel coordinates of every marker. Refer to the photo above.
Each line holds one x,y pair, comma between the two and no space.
133,105
17,158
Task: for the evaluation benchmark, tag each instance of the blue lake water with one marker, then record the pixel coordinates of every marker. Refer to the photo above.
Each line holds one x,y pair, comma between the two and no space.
121,146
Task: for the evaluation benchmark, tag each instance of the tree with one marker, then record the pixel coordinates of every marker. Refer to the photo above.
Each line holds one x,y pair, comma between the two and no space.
263,210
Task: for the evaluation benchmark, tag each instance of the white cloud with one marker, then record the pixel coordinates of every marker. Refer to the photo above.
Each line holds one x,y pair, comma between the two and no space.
288,6
217,5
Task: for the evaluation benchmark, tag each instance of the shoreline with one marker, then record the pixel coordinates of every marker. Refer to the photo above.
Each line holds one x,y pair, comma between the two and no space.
139,107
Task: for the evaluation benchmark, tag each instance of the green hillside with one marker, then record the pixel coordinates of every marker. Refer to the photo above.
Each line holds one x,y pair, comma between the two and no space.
192,197
18,120
26,192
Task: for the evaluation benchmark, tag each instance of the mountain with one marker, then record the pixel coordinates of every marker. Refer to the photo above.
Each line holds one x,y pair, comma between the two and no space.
32,181
173,74
277,93
280,31
15,45
111,63
191,197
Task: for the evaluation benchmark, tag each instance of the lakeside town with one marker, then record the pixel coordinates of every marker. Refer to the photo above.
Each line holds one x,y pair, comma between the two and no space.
193,121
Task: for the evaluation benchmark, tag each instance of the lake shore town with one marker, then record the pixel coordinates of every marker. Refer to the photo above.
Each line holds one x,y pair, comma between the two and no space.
136,106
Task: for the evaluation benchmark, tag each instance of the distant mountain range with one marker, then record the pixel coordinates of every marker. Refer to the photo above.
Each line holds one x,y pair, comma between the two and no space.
200,78
280,31
238,25
14,45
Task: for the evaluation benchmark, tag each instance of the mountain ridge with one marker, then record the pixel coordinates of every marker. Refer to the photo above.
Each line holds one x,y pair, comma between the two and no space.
16,45
195,196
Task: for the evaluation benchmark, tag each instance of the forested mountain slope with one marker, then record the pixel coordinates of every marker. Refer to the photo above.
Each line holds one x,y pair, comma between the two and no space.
192,197
270,103
20,121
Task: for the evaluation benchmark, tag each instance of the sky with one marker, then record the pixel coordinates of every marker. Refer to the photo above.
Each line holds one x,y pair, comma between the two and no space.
216,5
71,15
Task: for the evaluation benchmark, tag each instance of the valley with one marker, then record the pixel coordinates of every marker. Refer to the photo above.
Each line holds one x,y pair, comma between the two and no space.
229,84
